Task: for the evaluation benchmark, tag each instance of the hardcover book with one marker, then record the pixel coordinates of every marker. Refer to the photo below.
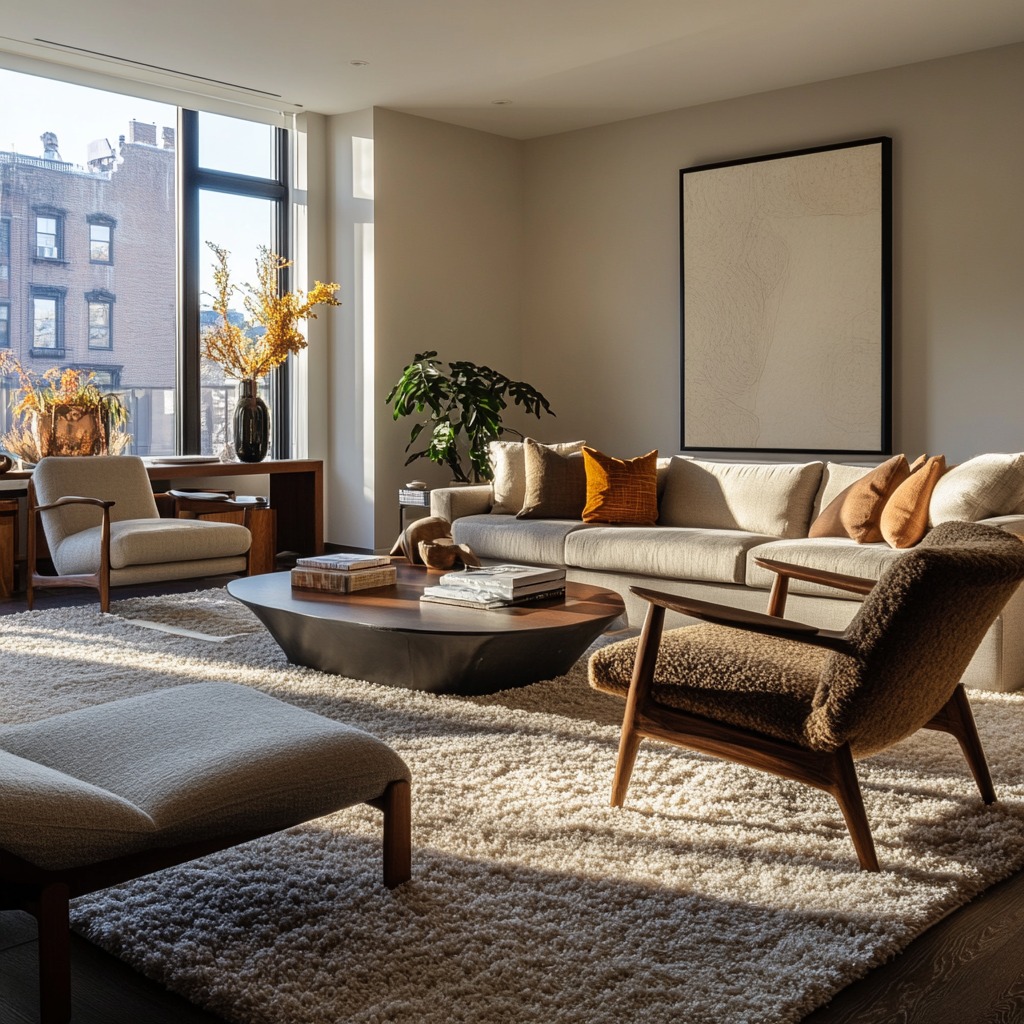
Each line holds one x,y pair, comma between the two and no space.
334,582
478,599
343,561
507,580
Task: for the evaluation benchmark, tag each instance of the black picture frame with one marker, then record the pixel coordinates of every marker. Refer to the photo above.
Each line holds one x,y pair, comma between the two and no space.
786,301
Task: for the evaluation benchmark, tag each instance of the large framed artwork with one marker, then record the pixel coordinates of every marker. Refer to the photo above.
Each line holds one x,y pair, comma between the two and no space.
787,301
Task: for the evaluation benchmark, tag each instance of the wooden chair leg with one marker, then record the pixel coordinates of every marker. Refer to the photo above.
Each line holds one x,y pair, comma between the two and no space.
396,803
639,686
54,955
846,790
957,719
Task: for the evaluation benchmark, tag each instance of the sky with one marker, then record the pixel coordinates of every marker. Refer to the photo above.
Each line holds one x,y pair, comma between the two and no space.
77,115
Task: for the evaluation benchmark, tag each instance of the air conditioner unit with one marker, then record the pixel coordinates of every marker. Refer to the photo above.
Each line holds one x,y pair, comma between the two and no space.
47,252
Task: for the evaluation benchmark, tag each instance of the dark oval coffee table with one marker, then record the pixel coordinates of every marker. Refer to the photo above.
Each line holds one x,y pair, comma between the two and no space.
388,635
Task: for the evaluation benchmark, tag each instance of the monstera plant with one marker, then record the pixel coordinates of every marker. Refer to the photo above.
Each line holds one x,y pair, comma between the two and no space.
460,412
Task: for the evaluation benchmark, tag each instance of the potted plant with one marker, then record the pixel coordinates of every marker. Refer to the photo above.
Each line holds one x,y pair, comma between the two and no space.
250,349
461,409
63,412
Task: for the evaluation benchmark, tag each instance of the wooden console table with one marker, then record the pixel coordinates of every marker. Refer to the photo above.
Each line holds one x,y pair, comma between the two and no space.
296,492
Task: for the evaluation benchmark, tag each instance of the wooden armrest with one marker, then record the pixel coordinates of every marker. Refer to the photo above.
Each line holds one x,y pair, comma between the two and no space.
72,499
854,584
739,618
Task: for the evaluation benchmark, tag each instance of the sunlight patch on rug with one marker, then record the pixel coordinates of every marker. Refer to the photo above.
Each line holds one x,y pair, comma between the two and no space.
717,894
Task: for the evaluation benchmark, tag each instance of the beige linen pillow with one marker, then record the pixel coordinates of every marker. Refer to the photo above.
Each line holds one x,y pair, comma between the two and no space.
905,516
985,486
836,477
773,499
556,484
508,487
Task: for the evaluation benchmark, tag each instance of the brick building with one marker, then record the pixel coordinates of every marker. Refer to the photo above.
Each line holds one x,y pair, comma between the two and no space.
87,270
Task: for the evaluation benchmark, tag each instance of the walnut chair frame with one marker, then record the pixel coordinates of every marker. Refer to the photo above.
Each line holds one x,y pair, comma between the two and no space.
831,771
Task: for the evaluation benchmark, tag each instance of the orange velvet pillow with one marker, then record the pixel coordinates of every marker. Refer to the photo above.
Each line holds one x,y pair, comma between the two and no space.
905,516
857,511
621,490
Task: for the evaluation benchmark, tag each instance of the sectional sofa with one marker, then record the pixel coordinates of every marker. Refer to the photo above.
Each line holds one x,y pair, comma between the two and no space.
715,518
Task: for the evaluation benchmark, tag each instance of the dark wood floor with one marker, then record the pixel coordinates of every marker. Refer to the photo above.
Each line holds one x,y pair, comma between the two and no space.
968,969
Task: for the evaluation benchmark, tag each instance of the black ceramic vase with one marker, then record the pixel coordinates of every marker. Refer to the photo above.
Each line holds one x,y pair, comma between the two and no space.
252,424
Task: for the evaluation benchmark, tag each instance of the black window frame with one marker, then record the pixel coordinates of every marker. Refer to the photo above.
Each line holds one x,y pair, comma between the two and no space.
195,180
99,297
104,221
57,216
58,295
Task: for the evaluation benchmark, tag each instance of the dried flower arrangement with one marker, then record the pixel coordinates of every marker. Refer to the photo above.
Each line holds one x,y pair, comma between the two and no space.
242,353
63,412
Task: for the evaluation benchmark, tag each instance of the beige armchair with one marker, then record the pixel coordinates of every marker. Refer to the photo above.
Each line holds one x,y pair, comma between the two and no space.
104,530
803,702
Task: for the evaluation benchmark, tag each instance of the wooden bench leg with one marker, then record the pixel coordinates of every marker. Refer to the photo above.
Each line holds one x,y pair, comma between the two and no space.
54,955
396,803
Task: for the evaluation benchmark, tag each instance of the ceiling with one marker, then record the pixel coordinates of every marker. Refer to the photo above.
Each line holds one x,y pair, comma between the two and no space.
521,69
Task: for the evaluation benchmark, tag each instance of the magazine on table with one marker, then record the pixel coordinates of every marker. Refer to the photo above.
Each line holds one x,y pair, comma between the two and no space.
506,580
464,598
343,561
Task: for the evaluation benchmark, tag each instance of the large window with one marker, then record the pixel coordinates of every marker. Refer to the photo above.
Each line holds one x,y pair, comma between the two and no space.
130,220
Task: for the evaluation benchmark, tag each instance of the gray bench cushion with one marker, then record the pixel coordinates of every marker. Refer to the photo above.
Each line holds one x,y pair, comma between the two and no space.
714,556
151,542
188,763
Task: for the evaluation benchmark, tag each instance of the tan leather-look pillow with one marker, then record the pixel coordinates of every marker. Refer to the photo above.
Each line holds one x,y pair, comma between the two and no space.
857,511
621,490
905,516
556,484
508,462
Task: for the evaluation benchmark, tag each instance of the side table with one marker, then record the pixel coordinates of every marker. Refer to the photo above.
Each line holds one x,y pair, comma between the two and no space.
8,545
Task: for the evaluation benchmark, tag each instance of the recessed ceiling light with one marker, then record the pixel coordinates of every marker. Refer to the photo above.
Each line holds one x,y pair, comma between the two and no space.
501,103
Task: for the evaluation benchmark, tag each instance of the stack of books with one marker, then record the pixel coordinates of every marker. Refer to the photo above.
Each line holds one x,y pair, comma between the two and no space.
343,573
497,586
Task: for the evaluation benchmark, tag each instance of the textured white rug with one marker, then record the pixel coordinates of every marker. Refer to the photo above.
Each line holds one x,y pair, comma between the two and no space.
717,895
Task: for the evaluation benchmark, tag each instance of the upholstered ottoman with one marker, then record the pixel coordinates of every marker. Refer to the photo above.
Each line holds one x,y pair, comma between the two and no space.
107,793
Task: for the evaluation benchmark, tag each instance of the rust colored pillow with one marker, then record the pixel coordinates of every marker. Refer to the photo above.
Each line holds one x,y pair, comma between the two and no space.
857,511
905,516
621,490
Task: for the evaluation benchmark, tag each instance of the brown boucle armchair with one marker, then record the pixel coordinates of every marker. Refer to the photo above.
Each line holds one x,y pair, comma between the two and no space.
803,702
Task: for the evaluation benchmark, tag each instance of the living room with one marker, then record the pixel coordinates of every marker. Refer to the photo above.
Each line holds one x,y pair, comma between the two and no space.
550,248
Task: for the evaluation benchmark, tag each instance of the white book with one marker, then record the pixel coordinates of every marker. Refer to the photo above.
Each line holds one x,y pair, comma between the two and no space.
477,599
505,580
343,561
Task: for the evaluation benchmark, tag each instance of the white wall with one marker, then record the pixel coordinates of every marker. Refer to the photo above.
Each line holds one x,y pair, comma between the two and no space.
449,217
601,271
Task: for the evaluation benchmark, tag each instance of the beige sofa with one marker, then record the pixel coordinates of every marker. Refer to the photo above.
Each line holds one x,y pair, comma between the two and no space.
714,518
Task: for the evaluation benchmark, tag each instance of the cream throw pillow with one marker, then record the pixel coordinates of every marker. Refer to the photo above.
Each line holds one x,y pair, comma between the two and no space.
985,486
508,487
768,498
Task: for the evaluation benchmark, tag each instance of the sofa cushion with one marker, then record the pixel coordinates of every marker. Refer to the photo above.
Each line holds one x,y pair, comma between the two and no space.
856,512
835,554
764,498
508,486
505,538
905,516
621,490
715,556
985,486
556,484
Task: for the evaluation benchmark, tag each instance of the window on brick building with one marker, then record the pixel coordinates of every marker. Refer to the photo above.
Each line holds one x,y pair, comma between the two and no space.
101,240
100,319
49,232
5,325
5,248
47,322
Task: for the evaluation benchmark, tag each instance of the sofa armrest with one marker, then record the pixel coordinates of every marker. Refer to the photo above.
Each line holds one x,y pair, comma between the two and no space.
1012,524
453,503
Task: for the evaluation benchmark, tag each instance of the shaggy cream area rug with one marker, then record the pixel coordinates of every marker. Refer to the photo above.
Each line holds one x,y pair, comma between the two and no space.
718,894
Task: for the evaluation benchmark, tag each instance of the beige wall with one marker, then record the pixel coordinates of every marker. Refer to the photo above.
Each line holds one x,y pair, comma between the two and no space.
449,221
601,272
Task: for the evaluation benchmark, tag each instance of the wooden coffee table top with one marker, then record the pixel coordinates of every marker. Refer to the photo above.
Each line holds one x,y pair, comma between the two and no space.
399,607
